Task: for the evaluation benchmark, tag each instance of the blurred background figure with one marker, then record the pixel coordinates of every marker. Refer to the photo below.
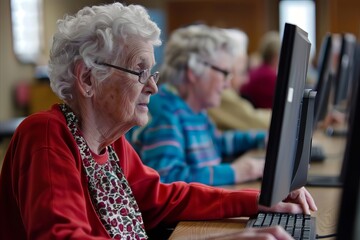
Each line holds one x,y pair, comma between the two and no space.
236,112
260,88
180,141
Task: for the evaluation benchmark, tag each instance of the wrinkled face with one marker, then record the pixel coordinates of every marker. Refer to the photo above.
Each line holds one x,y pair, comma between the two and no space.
122,100
213,82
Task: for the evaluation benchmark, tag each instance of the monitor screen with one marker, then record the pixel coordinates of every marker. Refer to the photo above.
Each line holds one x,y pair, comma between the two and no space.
349,214
284,170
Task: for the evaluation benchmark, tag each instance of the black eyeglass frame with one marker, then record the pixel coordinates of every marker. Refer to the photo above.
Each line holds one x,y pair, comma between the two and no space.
226,73
155,75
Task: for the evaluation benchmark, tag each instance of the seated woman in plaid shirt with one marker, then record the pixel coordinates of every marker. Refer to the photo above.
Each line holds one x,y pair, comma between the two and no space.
180,141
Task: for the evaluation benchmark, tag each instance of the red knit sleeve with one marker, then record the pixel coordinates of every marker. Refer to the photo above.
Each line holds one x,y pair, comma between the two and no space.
171,203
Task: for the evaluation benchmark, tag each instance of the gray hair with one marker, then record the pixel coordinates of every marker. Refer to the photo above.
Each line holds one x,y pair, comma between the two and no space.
270,46
96,34
241,41
190,45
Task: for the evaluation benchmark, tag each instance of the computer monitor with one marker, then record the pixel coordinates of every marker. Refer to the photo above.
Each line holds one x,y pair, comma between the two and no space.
337,180
348,226
343,80
323,89
343,84
324,81
287,155
344,72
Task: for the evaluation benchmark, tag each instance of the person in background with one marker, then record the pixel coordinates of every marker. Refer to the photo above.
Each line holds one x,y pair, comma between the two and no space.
180,141
235,112
69,172
260,88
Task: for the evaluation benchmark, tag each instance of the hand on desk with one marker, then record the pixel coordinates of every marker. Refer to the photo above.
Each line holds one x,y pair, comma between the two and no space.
248,168
298,201
333,118
272,233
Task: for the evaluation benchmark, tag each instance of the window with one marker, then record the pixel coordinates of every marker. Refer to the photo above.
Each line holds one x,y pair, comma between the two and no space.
26,18
302,14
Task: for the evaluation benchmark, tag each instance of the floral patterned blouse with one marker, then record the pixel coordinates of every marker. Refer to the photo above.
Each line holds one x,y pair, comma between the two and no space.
110,192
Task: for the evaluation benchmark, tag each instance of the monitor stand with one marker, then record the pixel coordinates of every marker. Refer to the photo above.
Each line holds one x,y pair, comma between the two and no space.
324,181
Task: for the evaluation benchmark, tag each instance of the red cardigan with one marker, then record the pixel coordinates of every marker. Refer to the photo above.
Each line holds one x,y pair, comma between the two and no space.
44,194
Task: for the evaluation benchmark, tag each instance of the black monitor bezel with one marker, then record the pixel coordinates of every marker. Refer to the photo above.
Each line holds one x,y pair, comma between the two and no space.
270,189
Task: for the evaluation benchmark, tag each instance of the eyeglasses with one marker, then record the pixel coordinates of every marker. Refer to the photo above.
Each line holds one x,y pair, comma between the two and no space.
227,74
143,75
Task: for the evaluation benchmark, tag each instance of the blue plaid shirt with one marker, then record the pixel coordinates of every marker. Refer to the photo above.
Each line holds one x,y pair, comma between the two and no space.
186,146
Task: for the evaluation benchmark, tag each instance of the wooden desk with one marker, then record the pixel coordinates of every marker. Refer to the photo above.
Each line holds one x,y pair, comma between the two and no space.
327,199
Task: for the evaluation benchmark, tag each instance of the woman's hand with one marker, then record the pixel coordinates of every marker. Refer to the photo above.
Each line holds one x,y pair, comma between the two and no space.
248,168
298,201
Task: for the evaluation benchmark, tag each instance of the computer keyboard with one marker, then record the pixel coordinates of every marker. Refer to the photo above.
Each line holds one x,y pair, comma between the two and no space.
300,226
317,154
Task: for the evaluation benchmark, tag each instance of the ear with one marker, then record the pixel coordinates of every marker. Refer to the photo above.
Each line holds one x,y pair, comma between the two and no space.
191,77
83,79
194,70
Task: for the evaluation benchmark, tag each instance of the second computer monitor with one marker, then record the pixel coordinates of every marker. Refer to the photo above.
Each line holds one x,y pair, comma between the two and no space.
349,214
324,81
337,180
345,70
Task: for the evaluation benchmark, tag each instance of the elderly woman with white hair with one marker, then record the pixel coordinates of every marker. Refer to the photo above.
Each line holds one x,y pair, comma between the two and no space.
180,141
234,111
69,172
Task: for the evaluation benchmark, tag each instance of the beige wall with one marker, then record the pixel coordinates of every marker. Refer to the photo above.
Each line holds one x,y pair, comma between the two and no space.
11,70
